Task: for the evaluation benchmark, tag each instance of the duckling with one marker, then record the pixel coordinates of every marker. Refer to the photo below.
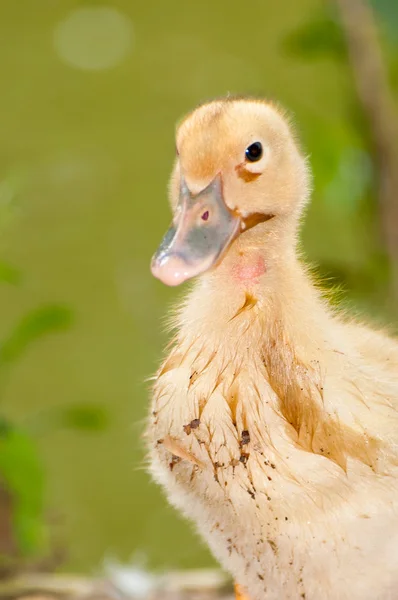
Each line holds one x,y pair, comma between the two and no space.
274,422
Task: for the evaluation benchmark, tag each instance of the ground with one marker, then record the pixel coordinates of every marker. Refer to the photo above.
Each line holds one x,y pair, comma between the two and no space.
122,584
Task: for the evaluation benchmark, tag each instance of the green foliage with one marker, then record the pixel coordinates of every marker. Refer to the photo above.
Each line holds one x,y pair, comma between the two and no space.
9,189
83,418
21,470
323,37
347,177
33,326
9,274
387,10
22,473
319,37
22,479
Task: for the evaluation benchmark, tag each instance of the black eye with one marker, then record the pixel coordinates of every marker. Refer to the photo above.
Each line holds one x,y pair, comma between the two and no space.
254,152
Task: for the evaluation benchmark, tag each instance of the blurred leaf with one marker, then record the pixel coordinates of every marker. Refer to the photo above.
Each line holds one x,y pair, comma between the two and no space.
84,417
10,187
387,10
317,38
345,192
394,73
22,473
79,417
5,427
9,274
34,325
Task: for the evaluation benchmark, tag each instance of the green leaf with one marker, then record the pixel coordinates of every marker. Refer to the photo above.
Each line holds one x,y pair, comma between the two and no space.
21,470
348,187
387,10
10,187
5,427
84,417
9,274
394,73
33,326
318,38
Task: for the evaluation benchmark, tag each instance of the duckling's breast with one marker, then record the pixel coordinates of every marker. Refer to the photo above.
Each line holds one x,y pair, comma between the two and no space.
216,429
219,446
211,449
225,455
210,422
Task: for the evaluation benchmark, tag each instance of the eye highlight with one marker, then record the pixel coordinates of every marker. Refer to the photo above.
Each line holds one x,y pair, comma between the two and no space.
254,152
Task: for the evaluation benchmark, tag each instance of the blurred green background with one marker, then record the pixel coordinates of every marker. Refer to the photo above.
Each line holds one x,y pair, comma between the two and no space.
90,93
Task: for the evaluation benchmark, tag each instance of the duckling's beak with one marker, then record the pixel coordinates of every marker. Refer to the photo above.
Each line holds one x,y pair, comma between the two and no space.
202,230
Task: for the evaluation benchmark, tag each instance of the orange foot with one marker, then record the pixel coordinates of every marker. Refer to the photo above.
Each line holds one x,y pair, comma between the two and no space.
239,594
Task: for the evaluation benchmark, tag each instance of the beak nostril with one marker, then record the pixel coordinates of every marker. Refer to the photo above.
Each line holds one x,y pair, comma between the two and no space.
198,236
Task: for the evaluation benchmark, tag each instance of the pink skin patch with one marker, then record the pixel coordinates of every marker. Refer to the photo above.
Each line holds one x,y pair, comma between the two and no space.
249,268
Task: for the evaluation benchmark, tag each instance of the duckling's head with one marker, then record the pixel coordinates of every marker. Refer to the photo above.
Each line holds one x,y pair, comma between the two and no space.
239,182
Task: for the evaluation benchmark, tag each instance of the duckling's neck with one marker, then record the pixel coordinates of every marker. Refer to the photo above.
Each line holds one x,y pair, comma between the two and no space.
249,267
254,291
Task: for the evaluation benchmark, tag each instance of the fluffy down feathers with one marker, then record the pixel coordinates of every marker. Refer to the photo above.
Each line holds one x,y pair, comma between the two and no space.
274,421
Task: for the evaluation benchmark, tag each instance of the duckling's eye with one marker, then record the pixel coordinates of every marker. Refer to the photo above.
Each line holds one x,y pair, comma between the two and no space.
254,152
205,216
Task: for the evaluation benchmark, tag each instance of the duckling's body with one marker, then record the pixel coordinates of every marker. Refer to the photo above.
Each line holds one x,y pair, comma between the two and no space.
274,422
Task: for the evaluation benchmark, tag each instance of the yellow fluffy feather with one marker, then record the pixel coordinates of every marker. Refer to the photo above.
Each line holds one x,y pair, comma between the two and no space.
274,422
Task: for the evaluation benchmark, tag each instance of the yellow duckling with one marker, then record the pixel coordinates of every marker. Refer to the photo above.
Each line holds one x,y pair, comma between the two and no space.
274,420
